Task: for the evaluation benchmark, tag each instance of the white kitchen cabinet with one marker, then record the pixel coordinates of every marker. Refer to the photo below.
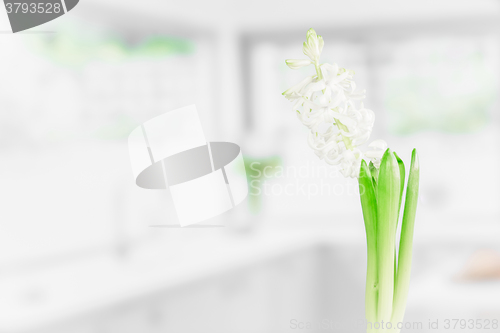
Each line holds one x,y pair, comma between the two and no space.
260,296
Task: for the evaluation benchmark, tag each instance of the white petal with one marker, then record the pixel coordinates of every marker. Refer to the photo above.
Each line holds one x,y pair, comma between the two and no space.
374,154
296,88
378,144
338,78
315,86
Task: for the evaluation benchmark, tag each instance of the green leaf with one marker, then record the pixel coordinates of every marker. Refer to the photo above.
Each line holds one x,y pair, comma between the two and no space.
388,193
402,185
401,189
369,206
368,200
395,266
374,171
402,177
406,243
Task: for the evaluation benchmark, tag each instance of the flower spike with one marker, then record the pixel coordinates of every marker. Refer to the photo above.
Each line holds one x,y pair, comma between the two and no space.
329,100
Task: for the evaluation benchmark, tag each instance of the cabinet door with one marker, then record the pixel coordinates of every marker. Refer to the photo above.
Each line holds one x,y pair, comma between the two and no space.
263,297
296,291
193,308
135,317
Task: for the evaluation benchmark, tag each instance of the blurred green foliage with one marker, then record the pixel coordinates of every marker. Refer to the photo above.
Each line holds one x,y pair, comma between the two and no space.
254,167
76,45
449,87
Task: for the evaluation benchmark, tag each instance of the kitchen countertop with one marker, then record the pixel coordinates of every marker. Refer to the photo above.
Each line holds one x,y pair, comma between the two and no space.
51,294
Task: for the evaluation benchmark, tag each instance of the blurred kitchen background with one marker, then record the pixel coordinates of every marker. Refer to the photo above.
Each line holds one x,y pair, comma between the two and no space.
82,249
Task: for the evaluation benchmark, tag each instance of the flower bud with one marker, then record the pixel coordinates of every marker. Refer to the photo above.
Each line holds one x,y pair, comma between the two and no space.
297,63
313,46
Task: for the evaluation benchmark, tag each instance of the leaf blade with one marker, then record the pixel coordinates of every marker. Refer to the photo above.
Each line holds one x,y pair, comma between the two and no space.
401,175
388,193
369,207
406,242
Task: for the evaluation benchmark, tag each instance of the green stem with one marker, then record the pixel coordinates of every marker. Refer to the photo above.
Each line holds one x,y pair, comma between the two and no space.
369,206
406,243
318,70
388,192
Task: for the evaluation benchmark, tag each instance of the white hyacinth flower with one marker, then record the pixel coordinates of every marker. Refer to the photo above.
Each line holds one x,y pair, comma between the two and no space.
377,151
329,100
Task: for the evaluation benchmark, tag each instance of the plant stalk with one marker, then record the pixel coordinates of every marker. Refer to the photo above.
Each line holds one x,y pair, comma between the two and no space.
369,206
406,243
388,193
